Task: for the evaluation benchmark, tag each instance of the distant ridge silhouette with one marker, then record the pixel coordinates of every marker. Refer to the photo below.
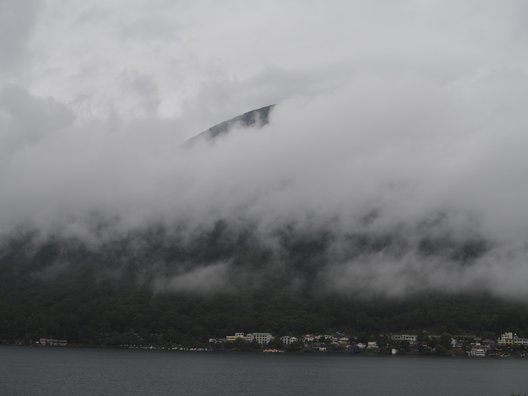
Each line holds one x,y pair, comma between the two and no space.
258,117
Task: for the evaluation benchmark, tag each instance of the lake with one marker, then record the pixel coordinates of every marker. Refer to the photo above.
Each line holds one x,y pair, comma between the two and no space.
76,371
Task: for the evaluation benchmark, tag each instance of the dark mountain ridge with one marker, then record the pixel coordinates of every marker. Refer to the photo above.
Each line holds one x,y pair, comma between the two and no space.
254,118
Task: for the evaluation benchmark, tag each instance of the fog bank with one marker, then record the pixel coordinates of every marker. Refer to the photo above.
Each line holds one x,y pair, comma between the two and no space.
414,127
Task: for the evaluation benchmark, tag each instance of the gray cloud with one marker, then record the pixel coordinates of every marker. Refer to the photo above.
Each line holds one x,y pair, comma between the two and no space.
209,279
389,114
16,23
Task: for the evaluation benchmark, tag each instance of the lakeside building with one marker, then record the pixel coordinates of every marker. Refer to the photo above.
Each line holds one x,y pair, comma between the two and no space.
477,351
287,340
465,344
372,345
261,338
52,342
511,339
410,338
235,337
319,337
308,338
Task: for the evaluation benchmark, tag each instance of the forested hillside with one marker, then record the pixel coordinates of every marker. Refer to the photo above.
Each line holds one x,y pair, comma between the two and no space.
170,287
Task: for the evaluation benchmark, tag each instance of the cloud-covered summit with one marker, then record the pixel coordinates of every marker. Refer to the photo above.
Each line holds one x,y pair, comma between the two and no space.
255,118
402,122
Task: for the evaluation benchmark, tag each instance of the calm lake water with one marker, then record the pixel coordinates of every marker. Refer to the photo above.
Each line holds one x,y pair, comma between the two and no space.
69,371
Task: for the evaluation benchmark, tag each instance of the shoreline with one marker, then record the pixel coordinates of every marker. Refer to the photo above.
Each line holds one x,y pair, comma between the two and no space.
281,353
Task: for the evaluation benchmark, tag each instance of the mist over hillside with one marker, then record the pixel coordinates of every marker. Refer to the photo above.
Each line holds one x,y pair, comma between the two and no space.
390,169
398,187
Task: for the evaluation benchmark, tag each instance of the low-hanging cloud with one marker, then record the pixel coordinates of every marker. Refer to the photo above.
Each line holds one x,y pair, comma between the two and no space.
420,140
209,279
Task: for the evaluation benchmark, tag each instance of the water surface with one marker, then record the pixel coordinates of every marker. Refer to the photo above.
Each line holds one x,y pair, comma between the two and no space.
71,371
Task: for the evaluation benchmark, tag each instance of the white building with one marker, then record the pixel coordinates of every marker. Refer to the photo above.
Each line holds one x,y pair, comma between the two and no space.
308,338
235,337
52,342
261,338
477,351
326,337
510,339
410,338
372,345
287,340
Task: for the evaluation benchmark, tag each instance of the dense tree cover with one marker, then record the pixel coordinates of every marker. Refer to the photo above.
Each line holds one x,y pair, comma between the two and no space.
107,293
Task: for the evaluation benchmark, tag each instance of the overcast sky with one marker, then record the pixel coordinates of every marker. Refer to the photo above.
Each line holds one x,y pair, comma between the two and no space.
407,108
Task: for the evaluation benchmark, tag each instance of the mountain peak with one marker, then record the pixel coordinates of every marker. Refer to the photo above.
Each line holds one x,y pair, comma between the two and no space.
258,117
